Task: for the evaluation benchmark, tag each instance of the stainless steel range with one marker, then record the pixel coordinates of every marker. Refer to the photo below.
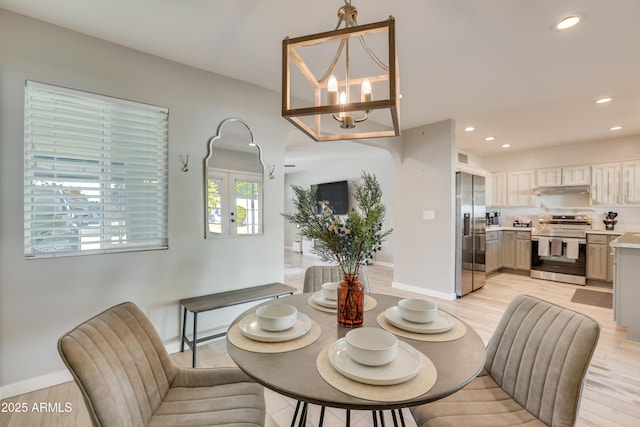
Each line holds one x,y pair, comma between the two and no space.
559,248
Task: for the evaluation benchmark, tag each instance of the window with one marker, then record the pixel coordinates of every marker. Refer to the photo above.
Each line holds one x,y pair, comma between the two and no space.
229,218
95,173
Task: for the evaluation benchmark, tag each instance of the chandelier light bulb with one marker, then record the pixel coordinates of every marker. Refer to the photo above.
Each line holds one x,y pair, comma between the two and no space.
332,90
366,90
343,101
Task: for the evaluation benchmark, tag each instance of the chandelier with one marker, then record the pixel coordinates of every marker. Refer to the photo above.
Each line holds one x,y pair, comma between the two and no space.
334,86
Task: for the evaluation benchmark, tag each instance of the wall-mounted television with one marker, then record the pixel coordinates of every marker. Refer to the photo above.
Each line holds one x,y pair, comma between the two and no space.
337,194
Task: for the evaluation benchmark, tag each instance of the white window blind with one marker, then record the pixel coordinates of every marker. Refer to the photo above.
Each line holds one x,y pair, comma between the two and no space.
96,173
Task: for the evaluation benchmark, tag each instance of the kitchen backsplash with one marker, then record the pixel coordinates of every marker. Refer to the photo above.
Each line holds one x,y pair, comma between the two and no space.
628,217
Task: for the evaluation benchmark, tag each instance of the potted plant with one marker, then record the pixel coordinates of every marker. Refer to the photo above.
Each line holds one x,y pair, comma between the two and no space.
347,240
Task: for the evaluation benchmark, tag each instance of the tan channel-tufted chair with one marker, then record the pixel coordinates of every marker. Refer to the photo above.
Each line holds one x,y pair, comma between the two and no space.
316,275
127,378
537,360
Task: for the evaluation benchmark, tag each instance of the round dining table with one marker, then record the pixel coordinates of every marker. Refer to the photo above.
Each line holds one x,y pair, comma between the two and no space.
294,373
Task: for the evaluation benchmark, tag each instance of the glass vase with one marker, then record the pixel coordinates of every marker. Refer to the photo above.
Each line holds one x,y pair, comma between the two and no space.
350,301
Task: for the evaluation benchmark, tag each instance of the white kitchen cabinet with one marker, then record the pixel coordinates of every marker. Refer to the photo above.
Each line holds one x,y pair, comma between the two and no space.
520,188
576,175
567,175
523,250
498,189
515,250
631,183
605,184
549,177
507,249
492,262
597,257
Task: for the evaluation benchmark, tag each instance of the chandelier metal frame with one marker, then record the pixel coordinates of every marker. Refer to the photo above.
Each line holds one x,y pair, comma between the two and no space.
346,114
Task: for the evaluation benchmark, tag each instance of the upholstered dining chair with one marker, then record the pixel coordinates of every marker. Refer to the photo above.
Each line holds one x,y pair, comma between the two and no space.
537,360
127,378
316,275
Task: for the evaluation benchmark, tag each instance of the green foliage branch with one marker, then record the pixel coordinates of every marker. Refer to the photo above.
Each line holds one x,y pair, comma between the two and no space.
350,241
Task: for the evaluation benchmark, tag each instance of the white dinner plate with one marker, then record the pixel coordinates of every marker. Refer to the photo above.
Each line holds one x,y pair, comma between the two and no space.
442,323
250,329
403,367
320,299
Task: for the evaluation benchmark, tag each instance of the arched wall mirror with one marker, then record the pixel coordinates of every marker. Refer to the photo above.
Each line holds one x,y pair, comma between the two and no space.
233,182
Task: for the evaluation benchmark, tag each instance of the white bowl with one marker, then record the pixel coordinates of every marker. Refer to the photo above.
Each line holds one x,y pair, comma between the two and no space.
330,290
418,310
371,346
276,317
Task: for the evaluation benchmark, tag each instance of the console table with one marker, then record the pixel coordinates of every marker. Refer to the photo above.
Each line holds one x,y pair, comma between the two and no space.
210,302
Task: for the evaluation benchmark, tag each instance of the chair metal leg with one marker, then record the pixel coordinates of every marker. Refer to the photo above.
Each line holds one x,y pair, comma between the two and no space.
295,414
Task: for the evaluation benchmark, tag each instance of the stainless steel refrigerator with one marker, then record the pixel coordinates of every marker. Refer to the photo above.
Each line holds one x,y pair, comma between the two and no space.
470,233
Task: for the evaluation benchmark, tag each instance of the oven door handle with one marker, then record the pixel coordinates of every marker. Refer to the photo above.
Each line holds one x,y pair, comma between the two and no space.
564,239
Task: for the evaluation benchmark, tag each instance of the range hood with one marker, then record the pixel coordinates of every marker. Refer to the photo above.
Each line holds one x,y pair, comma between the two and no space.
561,189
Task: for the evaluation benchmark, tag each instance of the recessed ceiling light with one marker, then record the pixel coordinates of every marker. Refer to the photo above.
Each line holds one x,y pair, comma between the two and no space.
568,22
615,128
506,145
490,138
604,100
469,128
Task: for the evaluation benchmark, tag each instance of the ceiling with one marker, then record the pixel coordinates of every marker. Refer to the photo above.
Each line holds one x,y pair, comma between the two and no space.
500,66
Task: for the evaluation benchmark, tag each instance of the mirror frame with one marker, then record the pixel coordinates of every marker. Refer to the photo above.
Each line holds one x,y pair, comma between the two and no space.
210,144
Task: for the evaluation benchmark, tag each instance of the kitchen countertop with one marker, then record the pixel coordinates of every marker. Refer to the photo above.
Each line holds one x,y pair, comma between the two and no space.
627,240
501,228
607,232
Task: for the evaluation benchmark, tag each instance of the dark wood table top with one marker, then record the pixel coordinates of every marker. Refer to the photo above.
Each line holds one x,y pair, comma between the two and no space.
236,296
294,373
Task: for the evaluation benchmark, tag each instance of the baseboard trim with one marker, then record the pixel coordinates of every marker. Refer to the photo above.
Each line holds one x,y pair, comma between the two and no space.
422,291
36,383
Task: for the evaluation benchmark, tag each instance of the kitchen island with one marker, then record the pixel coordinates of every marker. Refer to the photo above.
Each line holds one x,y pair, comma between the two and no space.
626,288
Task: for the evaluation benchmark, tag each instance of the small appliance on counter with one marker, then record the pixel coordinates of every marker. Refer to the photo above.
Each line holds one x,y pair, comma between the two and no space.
610,220
493,218
520,221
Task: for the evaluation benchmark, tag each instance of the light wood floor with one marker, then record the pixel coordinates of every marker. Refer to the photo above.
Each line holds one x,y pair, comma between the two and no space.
611,394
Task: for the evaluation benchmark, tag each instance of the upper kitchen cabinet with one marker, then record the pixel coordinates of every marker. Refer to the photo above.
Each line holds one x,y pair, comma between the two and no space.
570,175
576,175
631,182
549,177
605,184
498,193
520,188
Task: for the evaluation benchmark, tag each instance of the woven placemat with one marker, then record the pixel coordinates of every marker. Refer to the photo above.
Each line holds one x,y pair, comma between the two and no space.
234,335
369,304
413,388
458,331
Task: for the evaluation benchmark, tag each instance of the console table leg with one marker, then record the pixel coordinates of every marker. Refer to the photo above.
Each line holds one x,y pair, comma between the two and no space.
195,339
184,328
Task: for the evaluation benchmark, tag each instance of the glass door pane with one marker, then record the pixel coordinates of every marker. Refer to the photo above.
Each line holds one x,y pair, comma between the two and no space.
215,204
247,210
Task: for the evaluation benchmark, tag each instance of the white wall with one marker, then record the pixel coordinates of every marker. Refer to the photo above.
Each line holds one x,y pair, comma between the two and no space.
379,163
425,181
42,299
581,153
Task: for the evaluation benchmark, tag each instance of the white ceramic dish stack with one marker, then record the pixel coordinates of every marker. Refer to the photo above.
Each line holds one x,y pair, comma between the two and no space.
250,328
404,366
371,346
276,317
443,322
418,310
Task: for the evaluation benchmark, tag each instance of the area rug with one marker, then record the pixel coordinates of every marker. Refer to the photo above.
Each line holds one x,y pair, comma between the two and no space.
589,297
